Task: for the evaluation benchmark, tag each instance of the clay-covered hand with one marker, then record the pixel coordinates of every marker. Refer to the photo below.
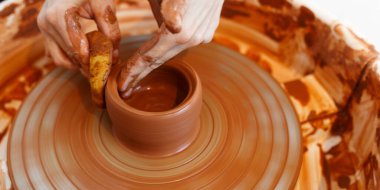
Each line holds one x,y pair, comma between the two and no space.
186,23
65,40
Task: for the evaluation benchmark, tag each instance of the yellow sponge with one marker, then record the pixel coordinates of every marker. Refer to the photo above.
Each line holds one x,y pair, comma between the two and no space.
100,64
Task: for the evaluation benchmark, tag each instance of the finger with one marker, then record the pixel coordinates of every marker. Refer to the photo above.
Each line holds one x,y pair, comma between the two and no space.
192,22
126,75
201,28
45,22
104,14
147,54
85,11
57,38
133,83
131,70
56,53
164,49
213,22
198,26
61,22
202,23
75,36
173,12
145,69
133,74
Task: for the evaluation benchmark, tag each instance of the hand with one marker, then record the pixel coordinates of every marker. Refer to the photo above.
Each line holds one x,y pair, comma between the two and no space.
186,23
65,40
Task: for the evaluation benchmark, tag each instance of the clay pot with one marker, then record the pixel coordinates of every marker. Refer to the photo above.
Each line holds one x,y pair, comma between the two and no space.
161,117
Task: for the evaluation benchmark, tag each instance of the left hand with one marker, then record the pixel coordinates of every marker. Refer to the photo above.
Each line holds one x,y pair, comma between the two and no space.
65,40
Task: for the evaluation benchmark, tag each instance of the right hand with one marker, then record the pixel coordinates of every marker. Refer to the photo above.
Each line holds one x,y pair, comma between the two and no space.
65,40
185,24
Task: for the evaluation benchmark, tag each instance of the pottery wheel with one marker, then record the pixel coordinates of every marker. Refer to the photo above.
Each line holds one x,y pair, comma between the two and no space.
249,136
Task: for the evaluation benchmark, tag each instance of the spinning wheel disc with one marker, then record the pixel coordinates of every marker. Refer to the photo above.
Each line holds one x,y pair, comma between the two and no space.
249,134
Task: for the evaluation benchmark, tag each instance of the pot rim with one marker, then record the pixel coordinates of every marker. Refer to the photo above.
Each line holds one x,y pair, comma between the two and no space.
182,67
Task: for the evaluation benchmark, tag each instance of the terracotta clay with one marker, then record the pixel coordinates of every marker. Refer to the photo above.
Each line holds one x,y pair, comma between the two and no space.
110,16
162,90
249,136
161,117
74,30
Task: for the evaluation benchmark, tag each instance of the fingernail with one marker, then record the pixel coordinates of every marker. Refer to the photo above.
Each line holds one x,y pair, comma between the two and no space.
109,15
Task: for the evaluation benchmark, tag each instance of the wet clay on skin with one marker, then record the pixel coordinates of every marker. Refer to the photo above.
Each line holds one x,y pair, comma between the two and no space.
28,23
132,61
8,10
162,90
73,29
174,10
109,15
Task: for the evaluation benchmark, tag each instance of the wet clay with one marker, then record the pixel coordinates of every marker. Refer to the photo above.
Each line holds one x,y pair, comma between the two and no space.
8,10
174,12
275,3
73,29
126,72
28,26
109,15
248,137
163,89
298,90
